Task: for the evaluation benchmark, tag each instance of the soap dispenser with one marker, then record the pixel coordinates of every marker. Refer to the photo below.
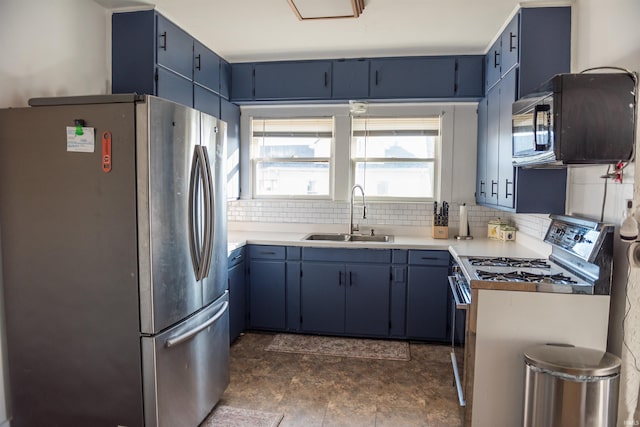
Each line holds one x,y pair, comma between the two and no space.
629,225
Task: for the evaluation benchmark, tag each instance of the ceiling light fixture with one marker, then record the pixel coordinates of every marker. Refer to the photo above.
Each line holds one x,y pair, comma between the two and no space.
326,9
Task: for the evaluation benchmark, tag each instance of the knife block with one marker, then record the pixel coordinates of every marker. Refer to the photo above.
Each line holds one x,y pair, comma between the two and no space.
439,231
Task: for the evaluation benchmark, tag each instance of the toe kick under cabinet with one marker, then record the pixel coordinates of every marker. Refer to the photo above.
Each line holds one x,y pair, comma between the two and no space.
380,293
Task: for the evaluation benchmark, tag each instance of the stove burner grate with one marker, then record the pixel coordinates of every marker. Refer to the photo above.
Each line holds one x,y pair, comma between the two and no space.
509,262
523,276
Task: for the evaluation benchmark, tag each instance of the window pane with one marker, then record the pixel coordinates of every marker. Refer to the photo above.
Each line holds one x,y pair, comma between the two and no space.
396,179
292,138
292,147
292,178
402,137
404,147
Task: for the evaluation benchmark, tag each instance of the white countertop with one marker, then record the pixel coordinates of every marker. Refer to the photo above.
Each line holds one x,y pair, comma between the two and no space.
525,248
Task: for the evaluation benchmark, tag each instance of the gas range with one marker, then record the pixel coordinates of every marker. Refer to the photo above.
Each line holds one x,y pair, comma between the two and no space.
580,261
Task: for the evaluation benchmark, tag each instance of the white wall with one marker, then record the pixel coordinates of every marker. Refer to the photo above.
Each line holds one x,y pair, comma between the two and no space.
50,48
606,33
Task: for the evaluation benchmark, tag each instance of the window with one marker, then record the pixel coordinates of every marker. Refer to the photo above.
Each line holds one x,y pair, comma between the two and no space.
292,157
395,157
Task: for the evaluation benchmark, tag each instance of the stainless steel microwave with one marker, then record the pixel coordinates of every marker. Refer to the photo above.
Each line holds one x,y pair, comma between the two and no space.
576,119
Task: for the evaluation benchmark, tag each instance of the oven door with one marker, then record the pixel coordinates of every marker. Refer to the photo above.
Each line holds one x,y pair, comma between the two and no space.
461,299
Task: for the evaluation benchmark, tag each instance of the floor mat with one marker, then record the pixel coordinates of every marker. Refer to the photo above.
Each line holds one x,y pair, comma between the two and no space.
228,416
334,346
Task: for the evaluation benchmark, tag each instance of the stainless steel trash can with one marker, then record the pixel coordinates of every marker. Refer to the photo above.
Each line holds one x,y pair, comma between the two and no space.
567,386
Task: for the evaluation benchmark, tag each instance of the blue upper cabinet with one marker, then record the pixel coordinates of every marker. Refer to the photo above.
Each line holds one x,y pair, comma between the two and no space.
537,40
545,46
417,77
351,79
225,79
206,67
509,42
242,82
492,65
174,47
423,77
469,77
292,80
151,55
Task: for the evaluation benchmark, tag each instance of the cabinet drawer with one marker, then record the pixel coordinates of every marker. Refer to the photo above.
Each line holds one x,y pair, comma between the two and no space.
236,256
435,258
267,252
346,255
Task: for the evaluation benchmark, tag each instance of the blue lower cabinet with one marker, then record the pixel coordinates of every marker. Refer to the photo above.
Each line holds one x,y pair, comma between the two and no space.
322,297
427,302
345,298
267,294
237,294
367,300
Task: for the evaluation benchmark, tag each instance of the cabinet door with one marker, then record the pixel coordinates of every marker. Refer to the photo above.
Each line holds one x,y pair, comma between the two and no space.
367,299
293,80
398,305
469,82
545,46
322,294
493,132
173,87
230,113
206,101
242,82
427,304
174,47
237,297
432,77
481,178
267,308
492,65
225,79
510,41
350,79
206,67
506,170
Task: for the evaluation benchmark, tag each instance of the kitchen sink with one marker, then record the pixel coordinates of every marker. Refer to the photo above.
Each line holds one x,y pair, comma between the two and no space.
342,237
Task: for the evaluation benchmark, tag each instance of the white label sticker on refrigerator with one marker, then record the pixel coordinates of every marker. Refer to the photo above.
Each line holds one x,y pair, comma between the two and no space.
81,142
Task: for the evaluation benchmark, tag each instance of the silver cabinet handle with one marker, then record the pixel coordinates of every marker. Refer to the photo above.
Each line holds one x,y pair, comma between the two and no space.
193,332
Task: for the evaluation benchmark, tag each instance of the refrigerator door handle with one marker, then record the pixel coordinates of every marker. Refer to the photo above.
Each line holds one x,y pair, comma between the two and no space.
199,188
209,219
193,233
193,332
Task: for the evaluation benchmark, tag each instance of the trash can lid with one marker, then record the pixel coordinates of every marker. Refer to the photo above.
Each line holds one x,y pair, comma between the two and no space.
571,360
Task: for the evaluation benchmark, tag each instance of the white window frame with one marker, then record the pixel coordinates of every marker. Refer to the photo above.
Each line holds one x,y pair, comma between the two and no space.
453,183
436,160
293,160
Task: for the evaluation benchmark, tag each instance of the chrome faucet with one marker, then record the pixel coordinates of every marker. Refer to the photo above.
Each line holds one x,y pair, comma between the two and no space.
364,209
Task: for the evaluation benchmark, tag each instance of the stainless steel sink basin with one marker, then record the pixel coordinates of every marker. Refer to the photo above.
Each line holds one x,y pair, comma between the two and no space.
332,237
369,238
342,237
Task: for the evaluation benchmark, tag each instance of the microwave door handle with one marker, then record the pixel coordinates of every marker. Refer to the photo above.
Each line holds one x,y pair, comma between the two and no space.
536,110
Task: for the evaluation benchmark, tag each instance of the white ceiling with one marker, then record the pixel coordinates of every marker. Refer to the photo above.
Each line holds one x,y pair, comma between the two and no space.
259,30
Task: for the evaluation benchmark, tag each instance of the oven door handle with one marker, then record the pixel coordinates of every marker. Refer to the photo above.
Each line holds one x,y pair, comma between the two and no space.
454,291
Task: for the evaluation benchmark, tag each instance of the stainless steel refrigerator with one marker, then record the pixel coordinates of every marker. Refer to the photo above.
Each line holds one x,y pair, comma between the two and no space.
113,244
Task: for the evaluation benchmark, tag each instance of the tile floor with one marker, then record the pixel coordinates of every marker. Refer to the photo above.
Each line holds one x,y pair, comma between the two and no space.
314,391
